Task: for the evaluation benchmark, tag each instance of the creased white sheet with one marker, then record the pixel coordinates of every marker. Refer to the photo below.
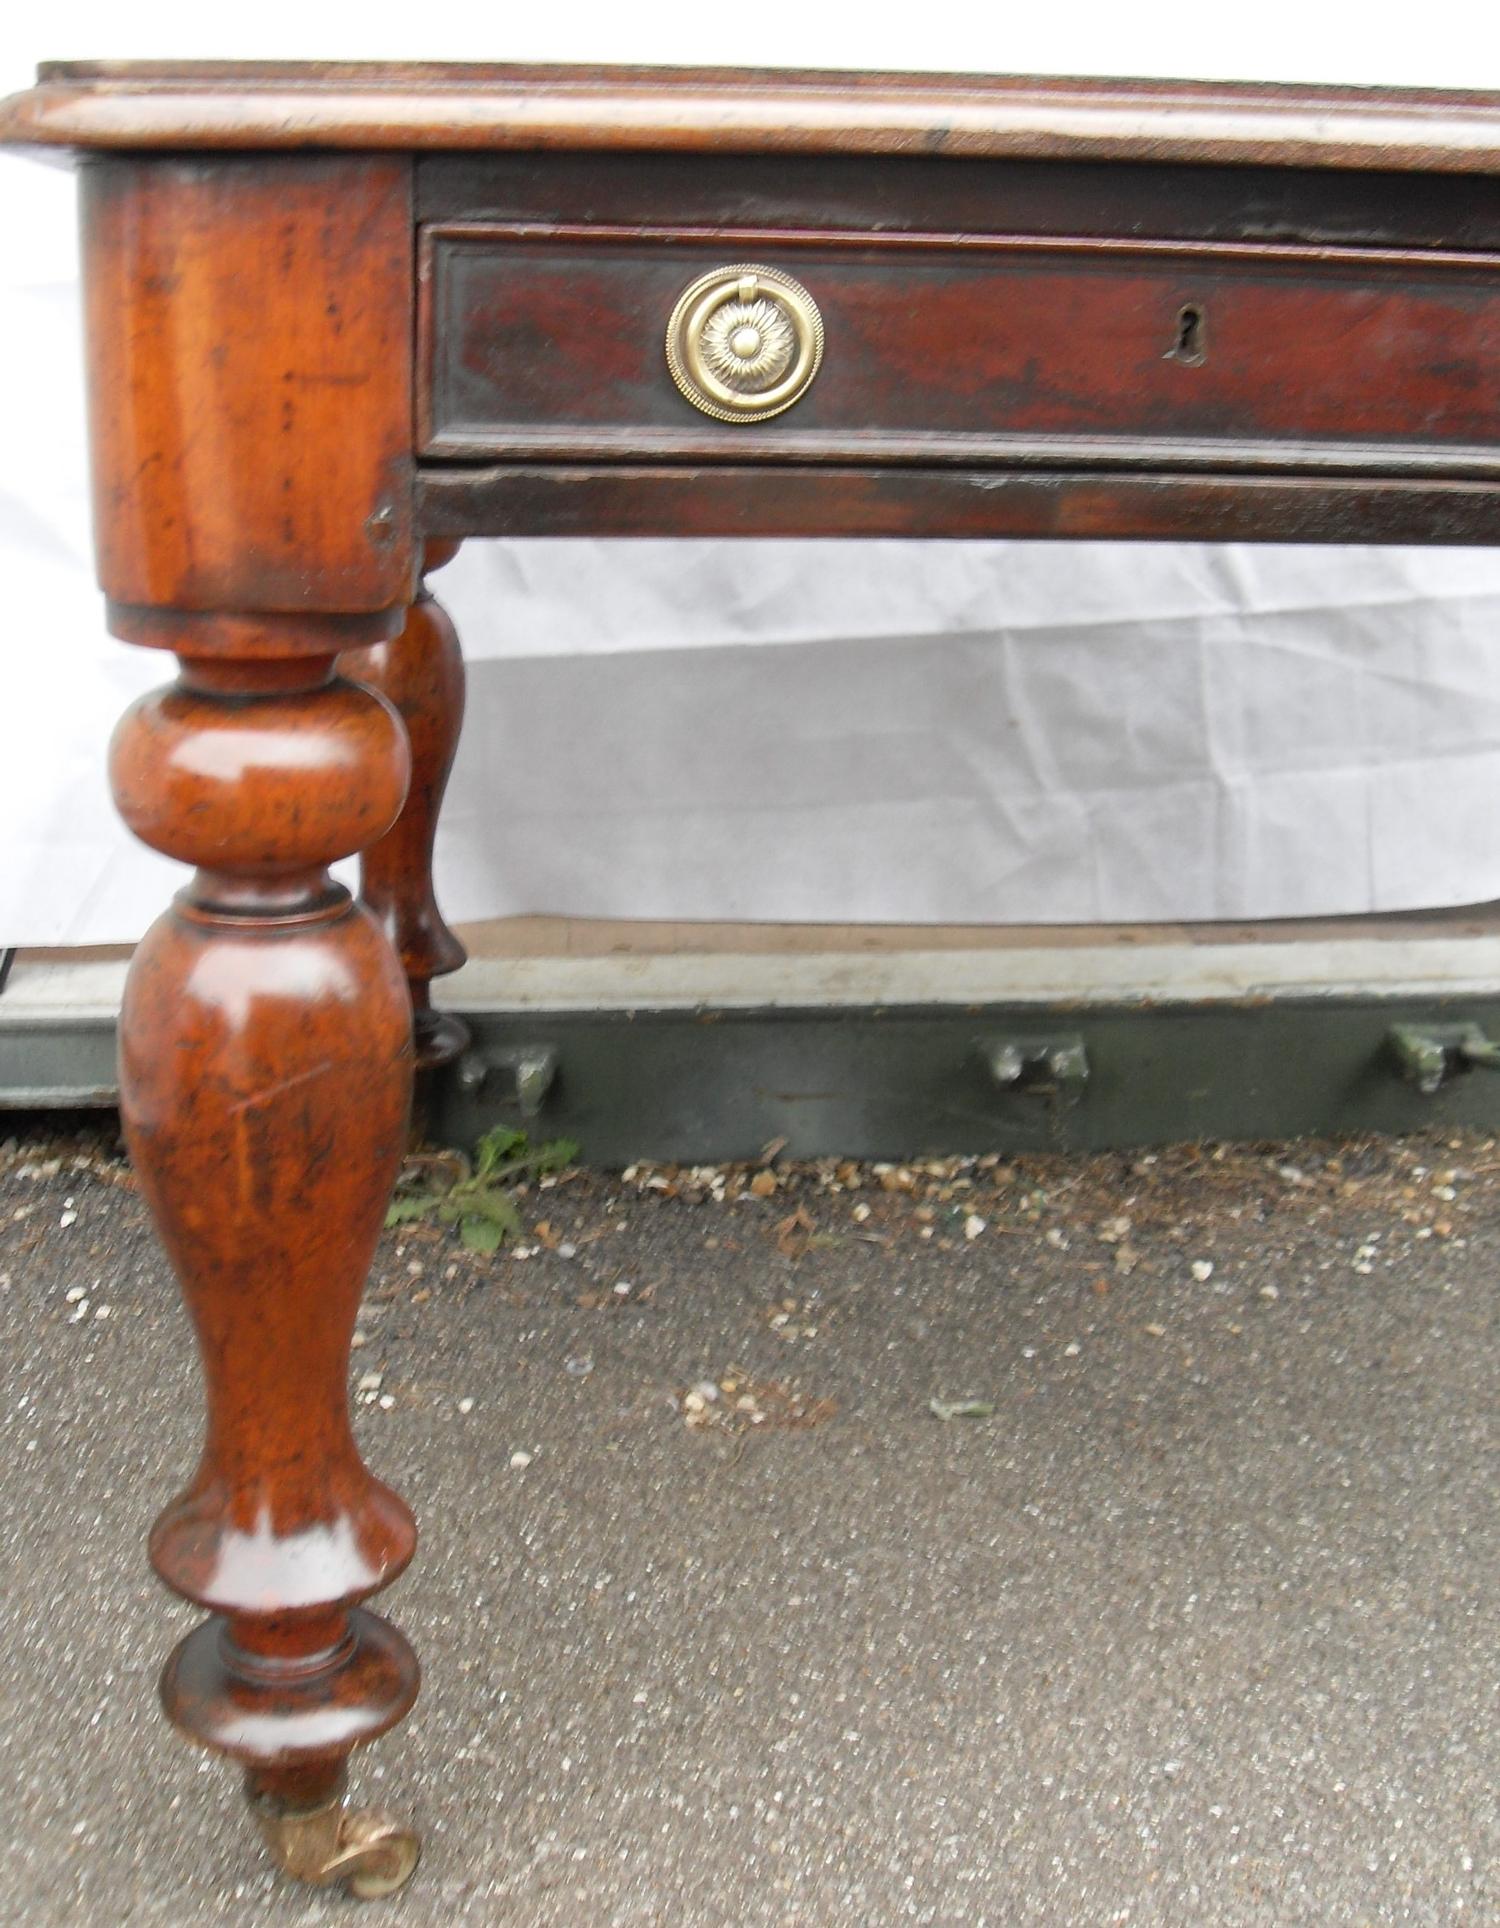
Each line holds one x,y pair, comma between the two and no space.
1239,749
832,732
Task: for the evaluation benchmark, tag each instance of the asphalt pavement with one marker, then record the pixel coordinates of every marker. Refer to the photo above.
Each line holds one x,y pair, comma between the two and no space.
1070,1541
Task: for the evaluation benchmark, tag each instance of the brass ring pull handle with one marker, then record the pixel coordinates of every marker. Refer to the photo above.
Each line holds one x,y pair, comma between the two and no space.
744,343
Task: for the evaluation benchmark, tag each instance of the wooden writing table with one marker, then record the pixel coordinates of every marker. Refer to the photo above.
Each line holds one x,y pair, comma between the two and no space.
341,317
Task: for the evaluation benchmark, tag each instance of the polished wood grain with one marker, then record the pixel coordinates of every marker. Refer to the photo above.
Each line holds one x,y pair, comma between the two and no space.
265,1074
248,325
549,341
249,329
684,499
1004,266
187,104
1244,203
421,674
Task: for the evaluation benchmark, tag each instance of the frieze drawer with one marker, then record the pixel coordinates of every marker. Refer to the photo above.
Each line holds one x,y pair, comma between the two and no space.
630,344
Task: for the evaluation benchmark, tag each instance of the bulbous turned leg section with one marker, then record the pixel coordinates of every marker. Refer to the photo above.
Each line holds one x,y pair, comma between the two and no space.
265,1070
421,674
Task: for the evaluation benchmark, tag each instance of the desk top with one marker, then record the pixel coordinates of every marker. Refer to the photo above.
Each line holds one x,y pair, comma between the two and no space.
207,105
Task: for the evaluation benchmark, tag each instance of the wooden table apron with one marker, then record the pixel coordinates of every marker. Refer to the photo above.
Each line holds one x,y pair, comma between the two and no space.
340,318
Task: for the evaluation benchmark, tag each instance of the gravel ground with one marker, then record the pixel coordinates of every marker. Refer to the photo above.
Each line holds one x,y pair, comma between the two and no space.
1192,1620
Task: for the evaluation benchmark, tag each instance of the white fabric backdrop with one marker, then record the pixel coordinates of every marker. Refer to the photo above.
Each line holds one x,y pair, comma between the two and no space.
839,732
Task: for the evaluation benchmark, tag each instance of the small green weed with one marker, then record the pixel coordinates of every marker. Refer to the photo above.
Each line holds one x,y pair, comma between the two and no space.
477,1199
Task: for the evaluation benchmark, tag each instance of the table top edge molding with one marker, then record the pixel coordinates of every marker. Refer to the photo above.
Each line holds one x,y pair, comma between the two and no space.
257,105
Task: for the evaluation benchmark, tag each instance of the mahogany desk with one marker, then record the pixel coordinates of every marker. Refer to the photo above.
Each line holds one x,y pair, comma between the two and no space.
341,317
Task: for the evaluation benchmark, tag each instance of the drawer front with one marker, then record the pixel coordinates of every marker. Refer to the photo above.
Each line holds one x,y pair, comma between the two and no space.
545,342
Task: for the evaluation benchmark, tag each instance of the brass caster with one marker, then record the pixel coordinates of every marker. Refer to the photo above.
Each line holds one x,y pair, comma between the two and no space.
372,1854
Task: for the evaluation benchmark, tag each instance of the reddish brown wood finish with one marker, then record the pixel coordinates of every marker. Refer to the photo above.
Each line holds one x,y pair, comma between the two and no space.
549,341
460,105
421,673
558,499
265,1079
1001,263
938,194
248,330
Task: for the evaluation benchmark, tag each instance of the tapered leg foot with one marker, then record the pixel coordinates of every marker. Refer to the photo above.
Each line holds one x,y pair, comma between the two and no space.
438,1037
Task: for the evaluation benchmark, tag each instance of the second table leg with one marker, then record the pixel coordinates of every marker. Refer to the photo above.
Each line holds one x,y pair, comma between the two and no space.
421,673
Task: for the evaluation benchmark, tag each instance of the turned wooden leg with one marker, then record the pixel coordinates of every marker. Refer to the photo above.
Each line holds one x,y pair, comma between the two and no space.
266,1056
250,321
421,673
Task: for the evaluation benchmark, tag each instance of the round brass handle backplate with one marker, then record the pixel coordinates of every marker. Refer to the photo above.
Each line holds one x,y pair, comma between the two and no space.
744,343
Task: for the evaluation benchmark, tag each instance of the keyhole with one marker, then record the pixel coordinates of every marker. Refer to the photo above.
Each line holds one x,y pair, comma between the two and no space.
1191,345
